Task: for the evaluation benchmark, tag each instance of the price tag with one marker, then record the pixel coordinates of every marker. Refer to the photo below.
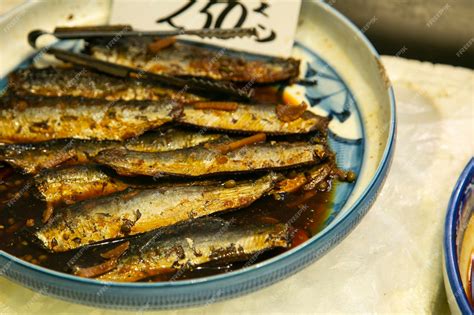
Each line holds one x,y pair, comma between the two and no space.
274,20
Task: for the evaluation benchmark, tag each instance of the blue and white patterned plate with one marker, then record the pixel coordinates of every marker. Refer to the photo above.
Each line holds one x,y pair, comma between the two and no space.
331,97
352,89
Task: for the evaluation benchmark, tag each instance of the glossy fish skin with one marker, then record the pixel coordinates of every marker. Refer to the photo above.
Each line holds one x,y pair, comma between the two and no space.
187,60
135,211
168,139
205,160
70,184
57,81
252,119
194,243
75,183
38,118
33,157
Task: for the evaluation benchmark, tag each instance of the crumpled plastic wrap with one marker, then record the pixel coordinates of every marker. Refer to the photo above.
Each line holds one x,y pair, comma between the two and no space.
392,261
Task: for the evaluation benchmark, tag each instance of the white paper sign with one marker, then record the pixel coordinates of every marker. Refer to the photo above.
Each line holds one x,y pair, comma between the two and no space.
274,20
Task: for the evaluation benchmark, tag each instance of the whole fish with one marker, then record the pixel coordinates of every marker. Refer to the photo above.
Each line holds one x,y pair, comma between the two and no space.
245,118
185,59
252,119
68,185
136,211
33,157
191,244
206,160
61,81
38,118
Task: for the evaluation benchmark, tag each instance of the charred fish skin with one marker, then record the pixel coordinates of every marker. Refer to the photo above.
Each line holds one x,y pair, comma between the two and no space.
196,242
134,211
68,81
31,158
252,119
75,183
38,118
184,59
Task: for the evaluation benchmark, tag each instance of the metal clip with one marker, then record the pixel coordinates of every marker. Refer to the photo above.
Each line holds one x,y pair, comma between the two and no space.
87,32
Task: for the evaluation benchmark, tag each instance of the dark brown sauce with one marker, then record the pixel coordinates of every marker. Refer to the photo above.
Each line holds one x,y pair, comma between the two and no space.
306,211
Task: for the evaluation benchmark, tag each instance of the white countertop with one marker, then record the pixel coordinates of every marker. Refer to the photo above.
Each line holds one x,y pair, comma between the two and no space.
391,263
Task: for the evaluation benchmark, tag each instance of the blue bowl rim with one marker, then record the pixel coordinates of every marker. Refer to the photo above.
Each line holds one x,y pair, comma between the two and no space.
323,236
450,248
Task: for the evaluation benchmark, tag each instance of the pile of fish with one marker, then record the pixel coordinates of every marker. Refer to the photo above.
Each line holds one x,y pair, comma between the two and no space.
150,168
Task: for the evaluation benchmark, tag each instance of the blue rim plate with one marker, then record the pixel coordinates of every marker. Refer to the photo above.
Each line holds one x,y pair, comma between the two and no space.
462,191
210,289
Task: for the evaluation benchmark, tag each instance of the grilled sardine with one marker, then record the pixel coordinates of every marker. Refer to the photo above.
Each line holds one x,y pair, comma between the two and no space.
86,83
206,160
38,118
194,243
184,59
71,184
251,119
31,158
136,211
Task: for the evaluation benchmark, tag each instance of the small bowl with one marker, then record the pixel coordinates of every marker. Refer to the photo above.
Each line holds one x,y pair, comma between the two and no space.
460,209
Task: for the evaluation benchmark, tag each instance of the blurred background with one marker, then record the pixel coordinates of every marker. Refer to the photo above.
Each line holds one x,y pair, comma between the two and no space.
439,31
